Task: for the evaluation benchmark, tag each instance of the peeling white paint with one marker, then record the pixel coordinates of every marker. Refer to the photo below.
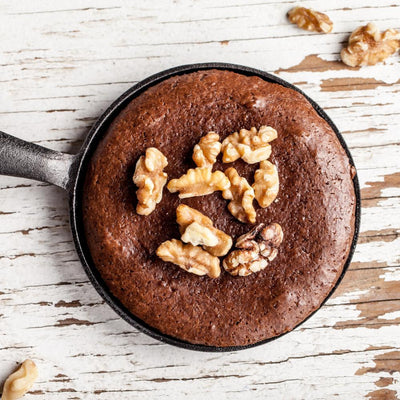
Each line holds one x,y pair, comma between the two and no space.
390,315
391,274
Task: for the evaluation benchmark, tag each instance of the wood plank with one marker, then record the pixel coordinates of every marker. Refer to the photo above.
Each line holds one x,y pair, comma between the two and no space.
62,63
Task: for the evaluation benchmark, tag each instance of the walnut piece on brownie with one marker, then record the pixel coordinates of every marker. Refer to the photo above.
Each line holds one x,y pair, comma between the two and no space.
198,182
199,235
254,250
241,195
19,382
310,20
368,46
150,179
266,183
187,217
191,258
205,153
250,145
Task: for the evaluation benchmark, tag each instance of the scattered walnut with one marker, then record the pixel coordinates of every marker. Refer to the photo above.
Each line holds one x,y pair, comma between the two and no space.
18,383
250,145
255,250
368,46
310,20
198,182
190,258
150,179
266,183
187,216
241,195
206,152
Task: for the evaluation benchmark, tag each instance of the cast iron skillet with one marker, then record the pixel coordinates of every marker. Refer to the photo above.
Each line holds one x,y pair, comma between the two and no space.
24,159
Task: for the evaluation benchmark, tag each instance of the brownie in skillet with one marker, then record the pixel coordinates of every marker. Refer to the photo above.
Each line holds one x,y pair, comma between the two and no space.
315,207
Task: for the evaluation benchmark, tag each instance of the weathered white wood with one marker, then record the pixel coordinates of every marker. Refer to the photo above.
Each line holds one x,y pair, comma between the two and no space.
61,64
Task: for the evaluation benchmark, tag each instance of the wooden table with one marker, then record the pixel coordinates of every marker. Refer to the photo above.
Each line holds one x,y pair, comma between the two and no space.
61,64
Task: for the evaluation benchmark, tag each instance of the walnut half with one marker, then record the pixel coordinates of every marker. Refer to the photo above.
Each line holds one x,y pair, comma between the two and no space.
19,383
266,183
205,153
241,195
254,250
199,235
198,182
250,145
150,179
368,46
190,258
310,20
198,229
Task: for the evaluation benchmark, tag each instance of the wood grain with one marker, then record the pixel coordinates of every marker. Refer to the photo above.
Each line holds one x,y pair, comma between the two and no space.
62,63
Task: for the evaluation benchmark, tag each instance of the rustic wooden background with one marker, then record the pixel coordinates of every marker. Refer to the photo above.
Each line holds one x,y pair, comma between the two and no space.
61,63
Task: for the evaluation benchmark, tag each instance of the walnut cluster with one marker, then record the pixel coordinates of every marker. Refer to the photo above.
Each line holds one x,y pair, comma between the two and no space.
254,250
19,383
368,46
310,20
201,243
251,145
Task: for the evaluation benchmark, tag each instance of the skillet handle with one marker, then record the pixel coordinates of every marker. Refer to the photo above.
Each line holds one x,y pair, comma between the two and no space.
28,160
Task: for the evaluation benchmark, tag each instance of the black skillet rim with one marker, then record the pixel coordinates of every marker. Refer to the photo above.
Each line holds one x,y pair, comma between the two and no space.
95,135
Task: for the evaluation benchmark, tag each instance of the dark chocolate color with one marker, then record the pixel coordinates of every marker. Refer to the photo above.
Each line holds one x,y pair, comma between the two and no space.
315,207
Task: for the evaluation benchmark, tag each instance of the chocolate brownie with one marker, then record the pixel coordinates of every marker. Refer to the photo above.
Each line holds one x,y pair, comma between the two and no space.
315,207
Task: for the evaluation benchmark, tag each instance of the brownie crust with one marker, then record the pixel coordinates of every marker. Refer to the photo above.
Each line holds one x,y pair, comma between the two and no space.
315,207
